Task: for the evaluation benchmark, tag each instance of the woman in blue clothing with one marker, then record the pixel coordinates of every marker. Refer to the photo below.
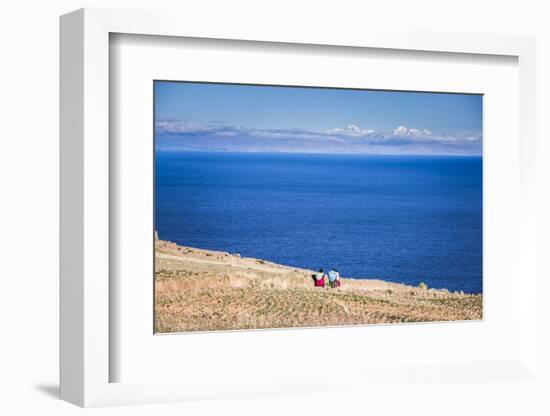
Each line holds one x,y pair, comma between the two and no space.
334,278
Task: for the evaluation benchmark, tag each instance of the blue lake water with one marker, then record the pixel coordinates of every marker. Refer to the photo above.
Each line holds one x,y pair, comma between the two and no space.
404,219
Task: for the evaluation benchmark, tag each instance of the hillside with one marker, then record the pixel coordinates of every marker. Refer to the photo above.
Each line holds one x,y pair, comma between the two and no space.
203,290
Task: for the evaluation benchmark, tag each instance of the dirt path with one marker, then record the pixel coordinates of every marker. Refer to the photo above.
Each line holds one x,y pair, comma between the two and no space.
222,263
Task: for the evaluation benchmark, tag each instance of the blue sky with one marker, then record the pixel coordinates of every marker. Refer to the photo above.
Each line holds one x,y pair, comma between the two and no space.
201,116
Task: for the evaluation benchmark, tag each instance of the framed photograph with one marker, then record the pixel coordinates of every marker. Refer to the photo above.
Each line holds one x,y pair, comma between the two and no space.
275,213
253,213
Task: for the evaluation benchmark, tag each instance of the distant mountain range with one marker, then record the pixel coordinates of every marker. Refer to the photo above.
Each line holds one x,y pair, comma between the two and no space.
189,136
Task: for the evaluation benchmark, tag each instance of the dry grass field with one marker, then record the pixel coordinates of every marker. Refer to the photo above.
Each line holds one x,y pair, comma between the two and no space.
202,290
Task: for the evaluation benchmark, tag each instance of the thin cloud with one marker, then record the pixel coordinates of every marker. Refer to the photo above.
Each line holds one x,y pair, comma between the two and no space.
351,138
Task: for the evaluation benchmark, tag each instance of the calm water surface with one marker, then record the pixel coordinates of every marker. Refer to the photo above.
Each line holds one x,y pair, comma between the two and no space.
402,219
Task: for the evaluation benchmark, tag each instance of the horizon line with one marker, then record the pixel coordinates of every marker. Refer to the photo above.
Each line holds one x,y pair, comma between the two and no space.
318,153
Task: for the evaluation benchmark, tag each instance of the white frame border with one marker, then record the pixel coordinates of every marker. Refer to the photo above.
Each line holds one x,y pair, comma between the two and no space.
84,182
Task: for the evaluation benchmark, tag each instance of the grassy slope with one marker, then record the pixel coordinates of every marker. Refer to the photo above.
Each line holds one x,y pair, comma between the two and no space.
201,290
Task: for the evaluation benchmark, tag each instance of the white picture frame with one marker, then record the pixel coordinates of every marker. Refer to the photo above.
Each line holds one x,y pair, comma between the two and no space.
87,356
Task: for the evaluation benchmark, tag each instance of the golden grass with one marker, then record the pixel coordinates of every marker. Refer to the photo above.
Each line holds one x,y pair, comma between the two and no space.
201,290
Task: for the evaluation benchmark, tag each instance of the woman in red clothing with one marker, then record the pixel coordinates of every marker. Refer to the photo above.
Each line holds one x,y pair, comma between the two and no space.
319,278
